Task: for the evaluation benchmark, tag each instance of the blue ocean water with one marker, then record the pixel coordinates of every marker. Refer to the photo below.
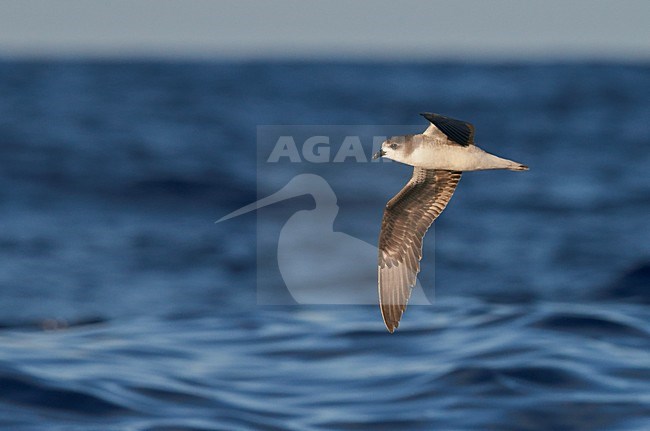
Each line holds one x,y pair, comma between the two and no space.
125,307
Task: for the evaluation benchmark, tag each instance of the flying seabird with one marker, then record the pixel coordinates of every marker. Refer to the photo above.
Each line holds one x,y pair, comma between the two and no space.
438,156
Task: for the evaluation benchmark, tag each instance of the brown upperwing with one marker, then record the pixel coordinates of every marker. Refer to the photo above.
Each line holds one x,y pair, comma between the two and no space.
406,219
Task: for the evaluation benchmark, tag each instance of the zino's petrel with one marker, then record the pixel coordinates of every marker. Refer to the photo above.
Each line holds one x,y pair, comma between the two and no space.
438,156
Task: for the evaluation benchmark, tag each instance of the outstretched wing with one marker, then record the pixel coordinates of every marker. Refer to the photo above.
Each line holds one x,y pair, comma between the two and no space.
457,131
406,219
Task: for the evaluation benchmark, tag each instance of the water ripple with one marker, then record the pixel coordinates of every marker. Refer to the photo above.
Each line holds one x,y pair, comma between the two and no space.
312,371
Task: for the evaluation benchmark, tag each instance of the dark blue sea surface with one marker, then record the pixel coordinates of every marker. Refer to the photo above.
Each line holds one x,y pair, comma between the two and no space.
123,306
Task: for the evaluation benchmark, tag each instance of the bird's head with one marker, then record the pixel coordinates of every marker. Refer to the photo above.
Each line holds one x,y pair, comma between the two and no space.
397,148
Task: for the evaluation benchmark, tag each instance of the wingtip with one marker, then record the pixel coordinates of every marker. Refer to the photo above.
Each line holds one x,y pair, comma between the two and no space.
389,322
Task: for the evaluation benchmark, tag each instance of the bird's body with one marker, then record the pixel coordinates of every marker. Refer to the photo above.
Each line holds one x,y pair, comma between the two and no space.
439,156
431,153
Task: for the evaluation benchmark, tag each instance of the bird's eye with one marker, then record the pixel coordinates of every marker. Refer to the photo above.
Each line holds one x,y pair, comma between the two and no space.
393,146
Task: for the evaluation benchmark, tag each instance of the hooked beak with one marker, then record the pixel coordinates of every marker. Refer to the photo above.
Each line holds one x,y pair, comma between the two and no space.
379,154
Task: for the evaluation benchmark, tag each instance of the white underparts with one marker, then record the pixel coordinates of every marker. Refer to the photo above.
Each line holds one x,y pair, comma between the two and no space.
456,158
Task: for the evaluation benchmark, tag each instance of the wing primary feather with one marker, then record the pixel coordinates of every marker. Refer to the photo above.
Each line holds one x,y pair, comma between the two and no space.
458,131
406,219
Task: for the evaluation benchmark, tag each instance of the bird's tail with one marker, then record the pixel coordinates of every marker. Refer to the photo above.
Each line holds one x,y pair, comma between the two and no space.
491,161
517,167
